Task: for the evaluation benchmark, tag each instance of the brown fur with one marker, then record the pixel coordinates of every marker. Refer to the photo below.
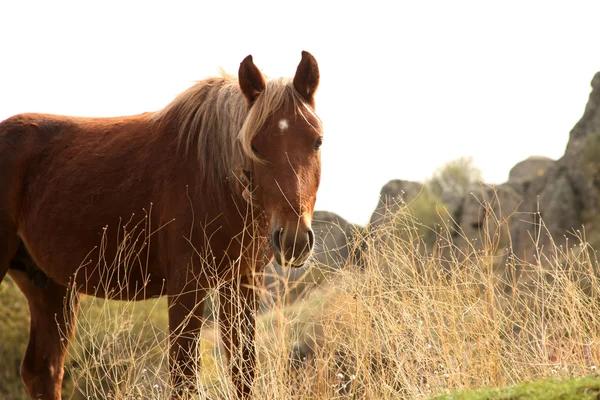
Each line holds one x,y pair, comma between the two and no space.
78,192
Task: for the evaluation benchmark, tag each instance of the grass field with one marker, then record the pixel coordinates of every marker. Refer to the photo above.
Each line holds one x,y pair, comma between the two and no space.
412,321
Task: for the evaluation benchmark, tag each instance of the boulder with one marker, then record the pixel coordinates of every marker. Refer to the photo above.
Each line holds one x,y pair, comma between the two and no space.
394,194
530,168
550,210
486,215
334,244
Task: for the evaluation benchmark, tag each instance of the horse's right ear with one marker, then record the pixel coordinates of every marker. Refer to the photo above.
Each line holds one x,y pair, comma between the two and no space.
252,81
307,78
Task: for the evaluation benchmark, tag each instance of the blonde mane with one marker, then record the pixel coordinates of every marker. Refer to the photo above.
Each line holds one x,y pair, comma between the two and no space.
214,115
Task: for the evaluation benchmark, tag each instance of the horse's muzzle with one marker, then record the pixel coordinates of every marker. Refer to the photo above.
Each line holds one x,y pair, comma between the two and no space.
292,247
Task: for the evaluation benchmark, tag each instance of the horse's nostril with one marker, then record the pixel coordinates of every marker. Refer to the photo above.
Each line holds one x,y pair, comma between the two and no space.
277,239
311,238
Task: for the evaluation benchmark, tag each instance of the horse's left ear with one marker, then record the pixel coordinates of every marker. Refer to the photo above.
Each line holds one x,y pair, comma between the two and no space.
306,79
252,81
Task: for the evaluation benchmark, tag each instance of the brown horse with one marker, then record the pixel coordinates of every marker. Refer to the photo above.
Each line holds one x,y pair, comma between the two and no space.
225,177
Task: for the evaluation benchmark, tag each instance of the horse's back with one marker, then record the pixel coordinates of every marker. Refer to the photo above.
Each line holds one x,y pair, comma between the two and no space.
25,139
68,178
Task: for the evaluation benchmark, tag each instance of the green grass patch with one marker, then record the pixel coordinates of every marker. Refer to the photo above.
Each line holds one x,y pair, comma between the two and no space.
564,389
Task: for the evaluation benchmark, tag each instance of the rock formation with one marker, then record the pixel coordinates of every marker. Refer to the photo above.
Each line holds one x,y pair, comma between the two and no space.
564,194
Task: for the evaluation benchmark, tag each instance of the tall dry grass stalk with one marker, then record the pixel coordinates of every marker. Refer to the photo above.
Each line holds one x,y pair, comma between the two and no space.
412,320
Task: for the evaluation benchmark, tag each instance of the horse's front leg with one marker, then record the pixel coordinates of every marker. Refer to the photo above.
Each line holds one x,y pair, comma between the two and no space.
237,312
186,308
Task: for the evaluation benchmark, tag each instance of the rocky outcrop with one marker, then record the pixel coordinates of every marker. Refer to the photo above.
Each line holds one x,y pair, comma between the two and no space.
564,194
393,195
334,244
550,209
487,209
581,157
529,169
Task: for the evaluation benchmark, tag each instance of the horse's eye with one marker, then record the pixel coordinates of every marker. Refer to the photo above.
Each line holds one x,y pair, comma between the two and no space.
318,143
254,150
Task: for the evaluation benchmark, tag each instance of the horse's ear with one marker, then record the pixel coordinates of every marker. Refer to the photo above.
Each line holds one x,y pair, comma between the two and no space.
306,79
252,81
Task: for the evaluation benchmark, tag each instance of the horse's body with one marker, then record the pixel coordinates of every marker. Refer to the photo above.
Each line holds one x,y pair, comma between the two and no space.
73,189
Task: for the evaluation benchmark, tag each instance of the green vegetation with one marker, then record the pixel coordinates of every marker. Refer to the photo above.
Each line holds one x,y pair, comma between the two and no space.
584,388
423,213
456,177
14,332
428,210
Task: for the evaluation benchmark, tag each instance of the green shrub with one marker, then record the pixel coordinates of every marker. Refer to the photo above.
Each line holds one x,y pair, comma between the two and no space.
455,177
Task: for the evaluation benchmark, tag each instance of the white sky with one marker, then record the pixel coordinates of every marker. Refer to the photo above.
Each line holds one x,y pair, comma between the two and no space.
405,86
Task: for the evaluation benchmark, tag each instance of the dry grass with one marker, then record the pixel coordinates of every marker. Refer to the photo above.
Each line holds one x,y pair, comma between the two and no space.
412,321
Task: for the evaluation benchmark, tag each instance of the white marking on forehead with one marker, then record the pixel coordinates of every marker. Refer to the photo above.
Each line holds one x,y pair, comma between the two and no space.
283,125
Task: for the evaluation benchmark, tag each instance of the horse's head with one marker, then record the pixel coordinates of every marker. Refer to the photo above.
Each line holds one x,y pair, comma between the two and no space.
286,160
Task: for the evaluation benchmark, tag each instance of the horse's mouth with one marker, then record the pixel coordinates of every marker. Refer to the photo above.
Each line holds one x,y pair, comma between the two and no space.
292,248
296,262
